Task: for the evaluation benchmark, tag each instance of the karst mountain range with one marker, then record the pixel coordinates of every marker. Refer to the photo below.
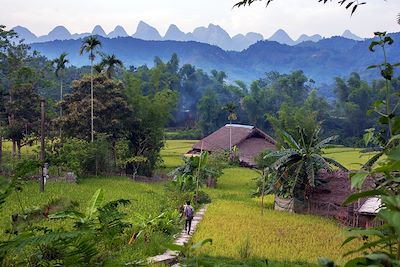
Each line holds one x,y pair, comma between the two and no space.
212,34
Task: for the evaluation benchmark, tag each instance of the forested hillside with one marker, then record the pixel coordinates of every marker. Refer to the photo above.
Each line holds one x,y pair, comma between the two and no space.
321,61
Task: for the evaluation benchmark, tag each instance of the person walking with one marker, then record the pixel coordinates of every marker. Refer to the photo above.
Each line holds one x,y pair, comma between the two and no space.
188,212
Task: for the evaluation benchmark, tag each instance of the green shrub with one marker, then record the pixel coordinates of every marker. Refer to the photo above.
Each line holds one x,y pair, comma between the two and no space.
202,198
82,157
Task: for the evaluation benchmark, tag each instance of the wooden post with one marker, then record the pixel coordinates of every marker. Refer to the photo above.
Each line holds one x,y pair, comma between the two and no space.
263,176
1,153
198,174
42,136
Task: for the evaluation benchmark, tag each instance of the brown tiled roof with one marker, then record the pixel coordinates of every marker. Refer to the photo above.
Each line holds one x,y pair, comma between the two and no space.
252,147
249,140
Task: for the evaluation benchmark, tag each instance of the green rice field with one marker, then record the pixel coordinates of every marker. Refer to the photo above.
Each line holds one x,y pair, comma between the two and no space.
233,220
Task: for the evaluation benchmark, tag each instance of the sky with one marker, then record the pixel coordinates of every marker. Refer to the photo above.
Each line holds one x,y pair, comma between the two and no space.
296,17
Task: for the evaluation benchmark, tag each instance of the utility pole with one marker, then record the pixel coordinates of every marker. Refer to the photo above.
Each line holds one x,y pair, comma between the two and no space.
42,136
91,101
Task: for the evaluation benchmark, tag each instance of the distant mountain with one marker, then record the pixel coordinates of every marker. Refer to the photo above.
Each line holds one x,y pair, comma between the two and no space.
241,42
349,35
281,37
24,33
212,34
305,38
58,33
322,61
80,35
174,33
98,30
146,32
119,31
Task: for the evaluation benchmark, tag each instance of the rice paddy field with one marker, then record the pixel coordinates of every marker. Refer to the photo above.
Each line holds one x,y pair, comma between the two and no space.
351,158
234,220
174,150
240,232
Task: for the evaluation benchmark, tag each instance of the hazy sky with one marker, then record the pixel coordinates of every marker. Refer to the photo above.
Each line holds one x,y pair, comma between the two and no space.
294,16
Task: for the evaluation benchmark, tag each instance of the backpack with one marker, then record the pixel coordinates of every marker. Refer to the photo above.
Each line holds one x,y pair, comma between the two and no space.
189,212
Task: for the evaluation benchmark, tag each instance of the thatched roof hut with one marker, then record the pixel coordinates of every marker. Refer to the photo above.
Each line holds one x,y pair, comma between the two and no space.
249,140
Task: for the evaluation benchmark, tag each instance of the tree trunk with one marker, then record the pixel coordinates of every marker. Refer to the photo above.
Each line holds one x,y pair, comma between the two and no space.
14,148
19,148
262,192
114,155
230,136
61,111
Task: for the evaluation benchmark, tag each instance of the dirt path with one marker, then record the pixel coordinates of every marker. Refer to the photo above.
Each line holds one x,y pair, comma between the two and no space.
170,256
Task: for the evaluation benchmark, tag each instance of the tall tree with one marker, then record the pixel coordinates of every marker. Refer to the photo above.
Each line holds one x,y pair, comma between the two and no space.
110,105
231,109
5,42
22,108
110,63
60,63
89,45
3,120
151,113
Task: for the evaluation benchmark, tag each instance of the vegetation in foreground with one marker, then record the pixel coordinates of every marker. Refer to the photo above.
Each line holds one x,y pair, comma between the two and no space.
147,201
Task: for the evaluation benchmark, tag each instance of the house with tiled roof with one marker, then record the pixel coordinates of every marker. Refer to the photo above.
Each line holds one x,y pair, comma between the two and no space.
249,141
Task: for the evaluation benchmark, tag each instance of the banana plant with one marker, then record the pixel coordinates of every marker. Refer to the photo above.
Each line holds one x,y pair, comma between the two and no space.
297,163
83,219
193,173
145,225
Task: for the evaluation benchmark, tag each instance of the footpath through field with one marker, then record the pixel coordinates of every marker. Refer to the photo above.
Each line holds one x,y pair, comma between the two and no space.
170,256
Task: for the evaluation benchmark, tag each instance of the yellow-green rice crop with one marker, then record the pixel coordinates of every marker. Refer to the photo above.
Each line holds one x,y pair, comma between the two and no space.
233,217
351,158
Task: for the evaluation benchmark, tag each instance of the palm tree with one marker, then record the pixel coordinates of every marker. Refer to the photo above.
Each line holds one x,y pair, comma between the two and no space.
230,108
60,63
110,62
89,45
98,68
298,162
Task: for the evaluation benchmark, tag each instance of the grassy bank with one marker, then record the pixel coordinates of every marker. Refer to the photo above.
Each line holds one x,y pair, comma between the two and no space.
146,199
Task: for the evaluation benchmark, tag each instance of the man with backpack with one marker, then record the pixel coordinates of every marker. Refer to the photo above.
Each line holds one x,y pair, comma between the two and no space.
188,212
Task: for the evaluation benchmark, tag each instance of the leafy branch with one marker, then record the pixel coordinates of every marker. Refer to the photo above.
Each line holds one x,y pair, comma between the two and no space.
350,5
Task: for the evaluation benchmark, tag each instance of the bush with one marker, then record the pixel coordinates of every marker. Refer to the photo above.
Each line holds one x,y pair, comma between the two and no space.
202,198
